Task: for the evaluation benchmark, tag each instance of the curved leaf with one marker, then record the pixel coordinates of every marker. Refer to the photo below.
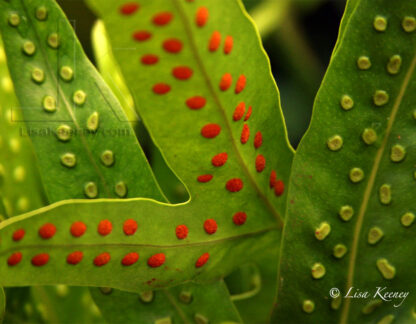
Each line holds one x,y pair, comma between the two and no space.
23,191
192,63
359,155
67,106
256,287
185,304
181,256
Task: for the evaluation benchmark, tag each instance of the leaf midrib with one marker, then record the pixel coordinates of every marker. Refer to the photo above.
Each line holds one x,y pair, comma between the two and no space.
137,245
370,187
67,105
217,100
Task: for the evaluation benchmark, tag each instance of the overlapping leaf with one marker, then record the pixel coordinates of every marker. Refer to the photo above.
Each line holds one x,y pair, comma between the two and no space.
217,241
23,191
351,215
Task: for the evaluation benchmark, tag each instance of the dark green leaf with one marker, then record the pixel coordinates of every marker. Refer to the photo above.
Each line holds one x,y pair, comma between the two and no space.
372,170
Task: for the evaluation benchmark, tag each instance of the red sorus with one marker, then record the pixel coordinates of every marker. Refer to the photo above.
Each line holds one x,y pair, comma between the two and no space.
228,45
202,16
149,59
239,218
239,111
241,84
161,88
40,259
196,102
105,227
215,41
273,178
156,260
226,81
249,111
210,226
260,163
141,35
78,229
202,260
102,259
129,8
234,185
258,140
245,134
162,18
205,178
18,235
47,231
182,72
130,259
181,232
14,259
219,159
172,45
130,227
74,257
279,188
210,130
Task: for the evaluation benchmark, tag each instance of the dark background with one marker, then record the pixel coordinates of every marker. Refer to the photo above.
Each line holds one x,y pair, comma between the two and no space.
299,50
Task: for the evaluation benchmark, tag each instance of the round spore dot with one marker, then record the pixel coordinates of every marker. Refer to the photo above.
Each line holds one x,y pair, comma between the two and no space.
161,88
47,231
14,259
234,185
172,45
40,259
239,218
260,163
279,188
105,227
102,259
196,102
219,159
156,260
141,35
202,260
205,178
78,229
210,226
129,8
162,18
130,259
130,227
74,257
181,232
210,130
18,235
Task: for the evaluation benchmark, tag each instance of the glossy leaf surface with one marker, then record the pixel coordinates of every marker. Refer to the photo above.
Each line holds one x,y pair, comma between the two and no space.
352,189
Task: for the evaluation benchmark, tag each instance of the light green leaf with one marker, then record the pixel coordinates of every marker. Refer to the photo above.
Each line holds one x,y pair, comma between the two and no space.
362,156
183,304
175,191
155,235
20,187
184,63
